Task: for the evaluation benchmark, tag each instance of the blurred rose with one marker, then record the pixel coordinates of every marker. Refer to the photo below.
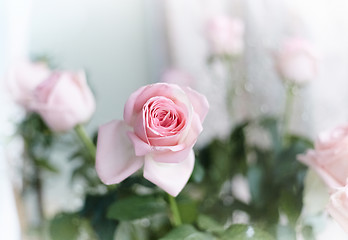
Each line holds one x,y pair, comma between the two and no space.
225,35
330,156
338,206
161,124
64,100
22,78
296,61
177,77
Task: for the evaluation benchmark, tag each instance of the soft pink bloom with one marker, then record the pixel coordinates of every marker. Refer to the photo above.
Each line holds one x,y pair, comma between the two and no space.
225,35
64,100
338,206
297,61
177,77
161,124
330,156
22,78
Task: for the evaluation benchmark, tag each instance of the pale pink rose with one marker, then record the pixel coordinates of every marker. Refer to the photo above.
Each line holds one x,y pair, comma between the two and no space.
297,61
330,156
64,100
225,35
161,124
178,77
338,206
22,78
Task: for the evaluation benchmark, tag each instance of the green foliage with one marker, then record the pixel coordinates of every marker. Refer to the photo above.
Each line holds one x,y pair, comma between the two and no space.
136,207
245,232
65,226
187,232
95,210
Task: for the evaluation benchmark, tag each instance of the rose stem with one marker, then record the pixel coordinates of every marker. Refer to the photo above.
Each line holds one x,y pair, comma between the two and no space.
288,110
86,140
175,211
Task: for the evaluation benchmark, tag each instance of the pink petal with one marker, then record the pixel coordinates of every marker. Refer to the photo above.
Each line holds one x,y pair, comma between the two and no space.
115,159
171,177
199,102
309,160
141,148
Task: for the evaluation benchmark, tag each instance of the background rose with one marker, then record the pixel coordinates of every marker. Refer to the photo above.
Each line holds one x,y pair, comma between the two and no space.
225,35
23,77
161,124
329,158
64,100
297,61
338,206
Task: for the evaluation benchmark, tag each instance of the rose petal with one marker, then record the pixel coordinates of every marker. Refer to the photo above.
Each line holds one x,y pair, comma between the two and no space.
141,148
129,106
115,159
199,102
171,177
308,159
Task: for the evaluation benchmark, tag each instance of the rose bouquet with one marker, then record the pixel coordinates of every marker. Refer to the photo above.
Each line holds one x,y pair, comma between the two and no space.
144,179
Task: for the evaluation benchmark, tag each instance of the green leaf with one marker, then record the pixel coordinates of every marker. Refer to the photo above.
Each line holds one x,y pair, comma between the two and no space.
94,209
188,210
291,205
136,207
208,224
46,165
198,173
239,147
187,232
130,231
245,232
256,182
64,226
271,124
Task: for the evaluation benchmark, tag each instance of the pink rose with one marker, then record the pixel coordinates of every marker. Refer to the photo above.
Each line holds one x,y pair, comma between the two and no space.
338,206
22,78
161,124
296,61
64,100
225,35
177,77
330,156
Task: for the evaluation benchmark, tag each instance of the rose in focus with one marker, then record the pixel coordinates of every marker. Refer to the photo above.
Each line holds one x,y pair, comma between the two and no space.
338,206
225,35
64,100
160,127
297,61
329,157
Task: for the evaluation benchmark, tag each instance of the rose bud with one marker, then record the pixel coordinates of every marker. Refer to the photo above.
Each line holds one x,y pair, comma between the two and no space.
161,124
225,35
297,61
64,100
329,157
22,78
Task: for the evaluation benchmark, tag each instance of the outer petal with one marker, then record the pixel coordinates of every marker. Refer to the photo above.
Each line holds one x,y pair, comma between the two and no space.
199,102
115,159
308,159
171,177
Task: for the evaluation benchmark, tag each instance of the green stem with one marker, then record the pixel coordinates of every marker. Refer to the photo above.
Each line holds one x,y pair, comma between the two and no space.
86,140
288,110
175,211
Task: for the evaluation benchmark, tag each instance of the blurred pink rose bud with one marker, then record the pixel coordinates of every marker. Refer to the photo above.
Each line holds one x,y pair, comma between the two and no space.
64,100
175,76
338,206
161,124
22,78
225,35
297,61
329,157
